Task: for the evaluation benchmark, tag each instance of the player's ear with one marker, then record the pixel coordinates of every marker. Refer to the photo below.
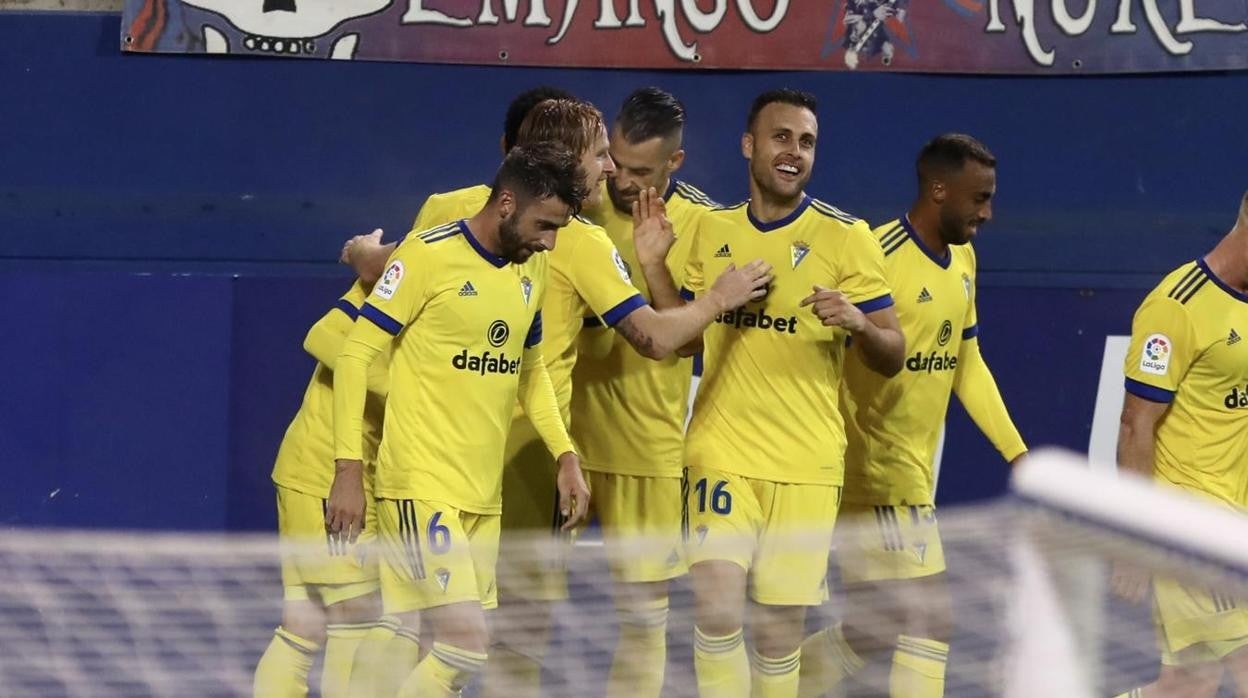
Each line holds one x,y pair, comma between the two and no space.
939,191
506,203
747,145
676,160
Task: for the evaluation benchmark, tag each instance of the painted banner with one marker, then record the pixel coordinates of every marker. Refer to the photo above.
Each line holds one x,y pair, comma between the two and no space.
956,36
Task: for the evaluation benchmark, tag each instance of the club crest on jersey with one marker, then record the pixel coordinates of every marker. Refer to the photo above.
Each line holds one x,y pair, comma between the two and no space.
443,576
798,251
390,281
620,264
966,285
526,288
1155,357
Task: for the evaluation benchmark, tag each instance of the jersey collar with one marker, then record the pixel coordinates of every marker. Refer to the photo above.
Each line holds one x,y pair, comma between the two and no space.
671,188
780,223
488,256
1241,297
918,241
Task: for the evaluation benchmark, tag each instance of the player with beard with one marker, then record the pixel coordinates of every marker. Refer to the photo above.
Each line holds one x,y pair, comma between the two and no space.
630,411
765,446
889,551
587,278
460,361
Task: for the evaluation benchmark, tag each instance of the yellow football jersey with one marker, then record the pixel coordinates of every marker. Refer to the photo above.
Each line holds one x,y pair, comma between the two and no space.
1187,350
305,459
630,410
460,319
893,424
587,278
767,406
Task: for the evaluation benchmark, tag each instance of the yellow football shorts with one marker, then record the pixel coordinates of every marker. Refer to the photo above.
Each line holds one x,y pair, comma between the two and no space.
1197,625
781,533
641,525
433,554
877,543
316,565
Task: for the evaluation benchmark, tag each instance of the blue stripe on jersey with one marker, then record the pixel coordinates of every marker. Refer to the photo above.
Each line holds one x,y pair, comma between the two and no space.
686,293
345,306
698,364
1149,392
875,304
1243,297
592,321
621,311
943,262
972,331
779,223
380,319
488,256
534,337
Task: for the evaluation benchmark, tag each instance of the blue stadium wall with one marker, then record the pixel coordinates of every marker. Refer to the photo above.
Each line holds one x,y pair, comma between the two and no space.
168,227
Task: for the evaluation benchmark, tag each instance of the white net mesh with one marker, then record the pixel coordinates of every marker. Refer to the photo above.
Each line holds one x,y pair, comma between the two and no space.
85,614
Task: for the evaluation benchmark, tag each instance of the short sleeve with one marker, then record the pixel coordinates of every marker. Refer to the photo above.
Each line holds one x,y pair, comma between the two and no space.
1163,346
860,270
602,279
402,291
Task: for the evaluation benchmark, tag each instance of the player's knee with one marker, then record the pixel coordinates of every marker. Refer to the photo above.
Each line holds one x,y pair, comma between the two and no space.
305,622
460,626
360,609
778,630
929,609
719,597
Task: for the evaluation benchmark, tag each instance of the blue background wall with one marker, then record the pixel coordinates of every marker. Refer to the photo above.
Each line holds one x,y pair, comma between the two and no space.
168,227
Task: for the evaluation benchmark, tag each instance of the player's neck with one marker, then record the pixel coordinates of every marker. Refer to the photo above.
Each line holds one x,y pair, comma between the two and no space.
1228,260
484,227
768,208
927,225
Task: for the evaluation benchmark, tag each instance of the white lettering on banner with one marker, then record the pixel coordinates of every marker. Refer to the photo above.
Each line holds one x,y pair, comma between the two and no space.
1025,15
667,12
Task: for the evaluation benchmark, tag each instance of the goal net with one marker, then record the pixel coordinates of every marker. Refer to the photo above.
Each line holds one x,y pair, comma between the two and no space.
94,614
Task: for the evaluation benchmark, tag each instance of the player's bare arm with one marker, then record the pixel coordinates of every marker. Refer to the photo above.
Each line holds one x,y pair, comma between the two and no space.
877,334
1137,428
573,490
653,237
367,256
659,334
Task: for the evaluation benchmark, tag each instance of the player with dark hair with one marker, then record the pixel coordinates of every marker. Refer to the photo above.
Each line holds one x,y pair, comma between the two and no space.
890,555
765,446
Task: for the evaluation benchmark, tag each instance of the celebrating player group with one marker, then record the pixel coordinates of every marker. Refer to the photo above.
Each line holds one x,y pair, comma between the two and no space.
520,363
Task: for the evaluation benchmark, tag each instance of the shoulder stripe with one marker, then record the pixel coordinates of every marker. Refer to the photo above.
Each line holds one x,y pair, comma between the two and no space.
892,236
432,232
443,236
833,212
694,195
1204,279
1187,279
731,207
896,245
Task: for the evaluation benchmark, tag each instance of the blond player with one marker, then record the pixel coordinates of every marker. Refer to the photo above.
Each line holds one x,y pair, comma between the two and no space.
1185,424
766,443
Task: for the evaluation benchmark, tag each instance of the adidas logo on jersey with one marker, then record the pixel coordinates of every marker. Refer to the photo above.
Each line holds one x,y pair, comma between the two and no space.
924,296
724,251
1238,397
468,289
1233,338
932,362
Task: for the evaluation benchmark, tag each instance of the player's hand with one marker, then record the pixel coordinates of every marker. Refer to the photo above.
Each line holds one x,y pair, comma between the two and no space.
882,12
573,491
344,513
834,310
1129,583
364,254
653,235
736,287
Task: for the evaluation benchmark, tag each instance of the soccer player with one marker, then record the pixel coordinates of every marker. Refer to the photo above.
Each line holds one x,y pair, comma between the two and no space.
765,446
890,556
461,305
587,278
330,586
630,411
1185,424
